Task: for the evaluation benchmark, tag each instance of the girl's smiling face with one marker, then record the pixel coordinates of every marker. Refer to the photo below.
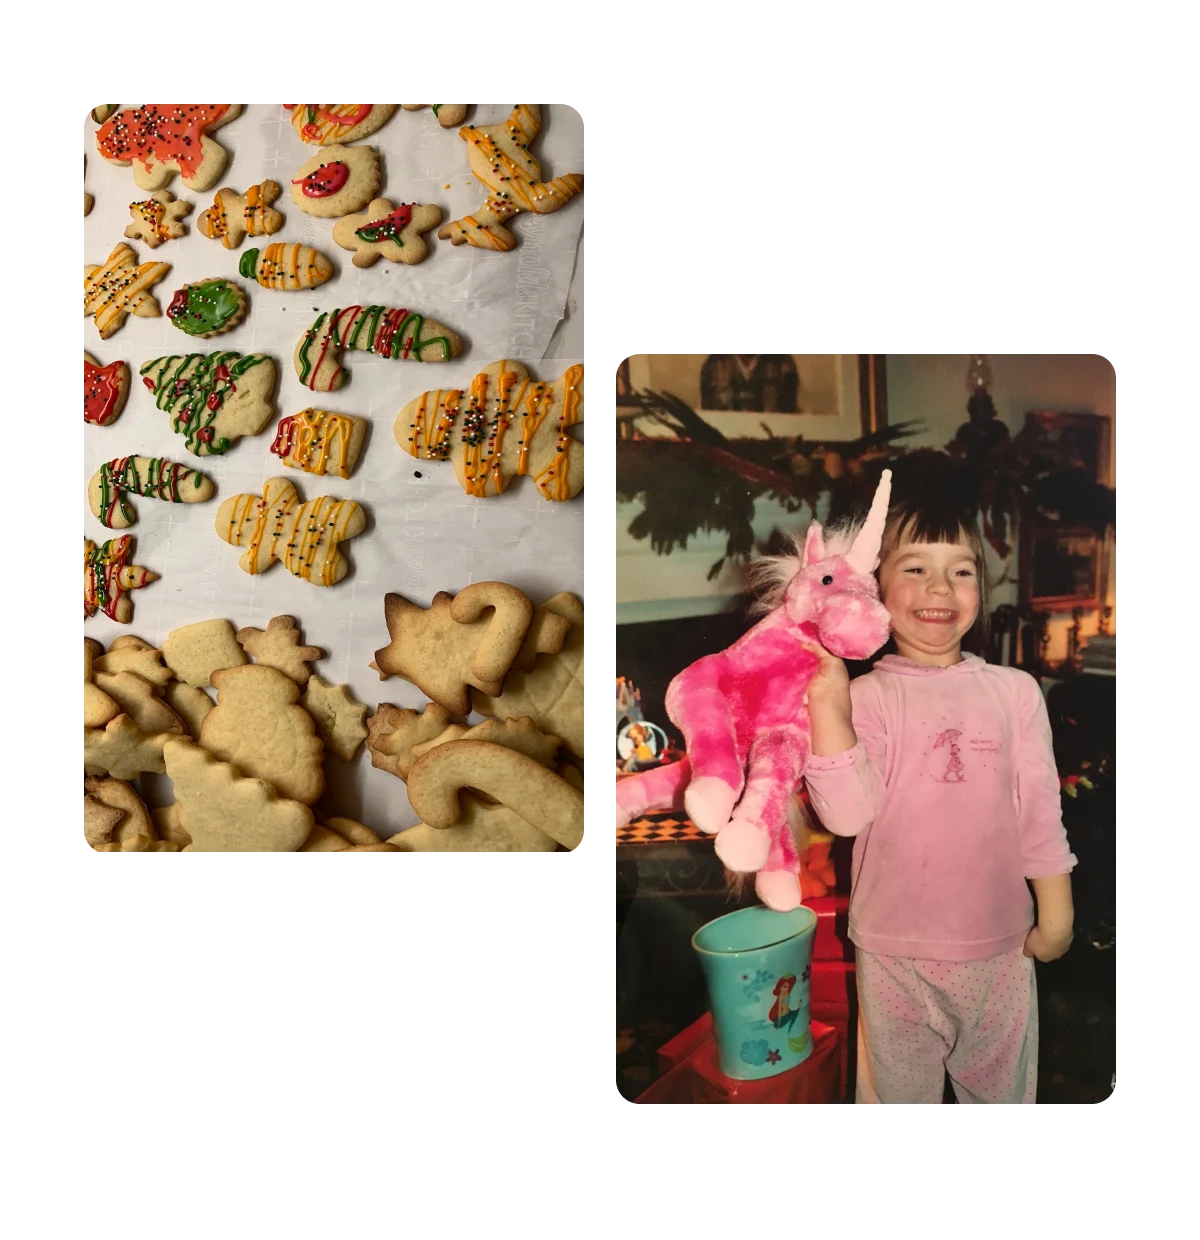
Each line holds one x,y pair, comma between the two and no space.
931,591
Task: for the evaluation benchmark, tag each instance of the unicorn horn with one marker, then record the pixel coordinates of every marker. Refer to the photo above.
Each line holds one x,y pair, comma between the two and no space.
865,550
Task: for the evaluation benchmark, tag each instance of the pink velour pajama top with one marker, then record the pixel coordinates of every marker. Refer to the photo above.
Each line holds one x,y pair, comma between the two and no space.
952,796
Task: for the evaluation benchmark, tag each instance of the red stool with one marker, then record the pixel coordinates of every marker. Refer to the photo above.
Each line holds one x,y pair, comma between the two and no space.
691,1072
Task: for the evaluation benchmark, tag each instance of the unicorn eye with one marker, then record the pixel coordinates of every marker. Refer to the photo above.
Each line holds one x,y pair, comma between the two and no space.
827,581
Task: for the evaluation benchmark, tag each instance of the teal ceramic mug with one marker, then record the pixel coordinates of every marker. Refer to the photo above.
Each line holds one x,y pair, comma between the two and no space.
757,965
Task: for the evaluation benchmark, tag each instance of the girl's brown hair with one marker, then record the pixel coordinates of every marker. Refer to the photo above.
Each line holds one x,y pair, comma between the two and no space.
938,520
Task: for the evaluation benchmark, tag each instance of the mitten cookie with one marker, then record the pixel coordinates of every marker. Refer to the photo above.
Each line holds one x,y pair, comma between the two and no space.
337,181
130,654
306,440
223,812
454,644
213,400
541,797
385,231
392,733
107,578
195,651
305,537
258,726
372,329
511,426
286,267
119,288
552,693
105,390
279,647
448,114
499,157
161,139
208,308
152,476
234,216
322,124
157,219
338,717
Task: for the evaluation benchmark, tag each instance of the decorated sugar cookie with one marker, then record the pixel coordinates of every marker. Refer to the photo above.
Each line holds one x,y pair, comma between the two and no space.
499,157
336,181
105,390
151,476
384,231
208,308
214,399
315,440
161,139
323,124
157,219
374,329
119,288
108,578
286,267
508,425
304,537
101,112
234,216
448,114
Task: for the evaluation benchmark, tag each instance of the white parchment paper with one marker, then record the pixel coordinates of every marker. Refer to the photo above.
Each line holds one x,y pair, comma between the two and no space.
423,533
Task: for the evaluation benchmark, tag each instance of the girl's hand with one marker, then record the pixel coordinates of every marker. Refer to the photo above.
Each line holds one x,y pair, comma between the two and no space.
828,701
1047,945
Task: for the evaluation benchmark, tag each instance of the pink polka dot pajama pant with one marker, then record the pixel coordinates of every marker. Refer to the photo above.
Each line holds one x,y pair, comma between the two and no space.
920,1019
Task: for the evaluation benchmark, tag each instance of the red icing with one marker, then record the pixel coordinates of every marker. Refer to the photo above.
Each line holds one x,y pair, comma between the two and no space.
356,118
160,133
100,387
325,181
178,304
284,435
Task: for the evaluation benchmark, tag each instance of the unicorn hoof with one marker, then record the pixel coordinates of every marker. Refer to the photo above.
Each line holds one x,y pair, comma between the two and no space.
778,890
743,847
709,801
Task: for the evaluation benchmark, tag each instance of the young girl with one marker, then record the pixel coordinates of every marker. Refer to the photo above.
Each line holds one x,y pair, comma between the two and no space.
940,765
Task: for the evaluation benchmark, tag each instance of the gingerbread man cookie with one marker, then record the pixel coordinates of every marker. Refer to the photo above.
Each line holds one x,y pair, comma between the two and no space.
277,526
107,578
374,329
323,124
384,231
157,219
337,181
152,476
448,114
499,157
511,425
213,399
105,390
234,216
119,288
161,139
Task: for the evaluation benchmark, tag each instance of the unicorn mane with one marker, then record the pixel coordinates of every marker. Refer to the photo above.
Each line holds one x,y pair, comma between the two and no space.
768,576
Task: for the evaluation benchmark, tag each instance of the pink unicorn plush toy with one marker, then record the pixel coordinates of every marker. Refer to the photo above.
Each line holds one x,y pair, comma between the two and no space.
743,711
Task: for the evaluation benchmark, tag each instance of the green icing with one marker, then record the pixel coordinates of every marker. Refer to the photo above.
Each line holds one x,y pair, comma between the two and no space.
207,307
248,263
193,393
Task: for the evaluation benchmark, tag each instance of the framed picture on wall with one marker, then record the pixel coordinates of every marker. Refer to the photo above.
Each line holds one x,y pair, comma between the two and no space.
1068,441
817,396
1064,568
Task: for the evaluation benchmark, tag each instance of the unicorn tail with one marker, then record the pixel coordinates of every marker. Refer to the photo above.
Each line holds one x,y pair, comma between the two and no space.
661,788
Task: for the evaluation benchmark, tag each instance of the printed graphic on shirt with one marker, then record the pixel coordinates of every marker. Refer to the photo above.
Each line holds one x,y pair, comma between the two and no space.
955,772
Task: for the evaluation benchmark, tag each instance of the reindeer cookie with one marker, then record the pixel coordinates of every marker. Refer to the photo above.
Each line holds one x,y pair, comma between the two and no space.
234,216
157,219
306,537
337,181
105,390
403,334
161,139
316,440
208,308
119,288
385,231
323,124
507,426
152,476
499,157
108,578
213,399
448,114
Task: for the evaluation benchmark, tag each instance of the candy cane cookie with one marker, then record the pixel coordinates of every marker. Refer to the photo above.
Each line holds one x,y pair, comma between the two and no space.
151,476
